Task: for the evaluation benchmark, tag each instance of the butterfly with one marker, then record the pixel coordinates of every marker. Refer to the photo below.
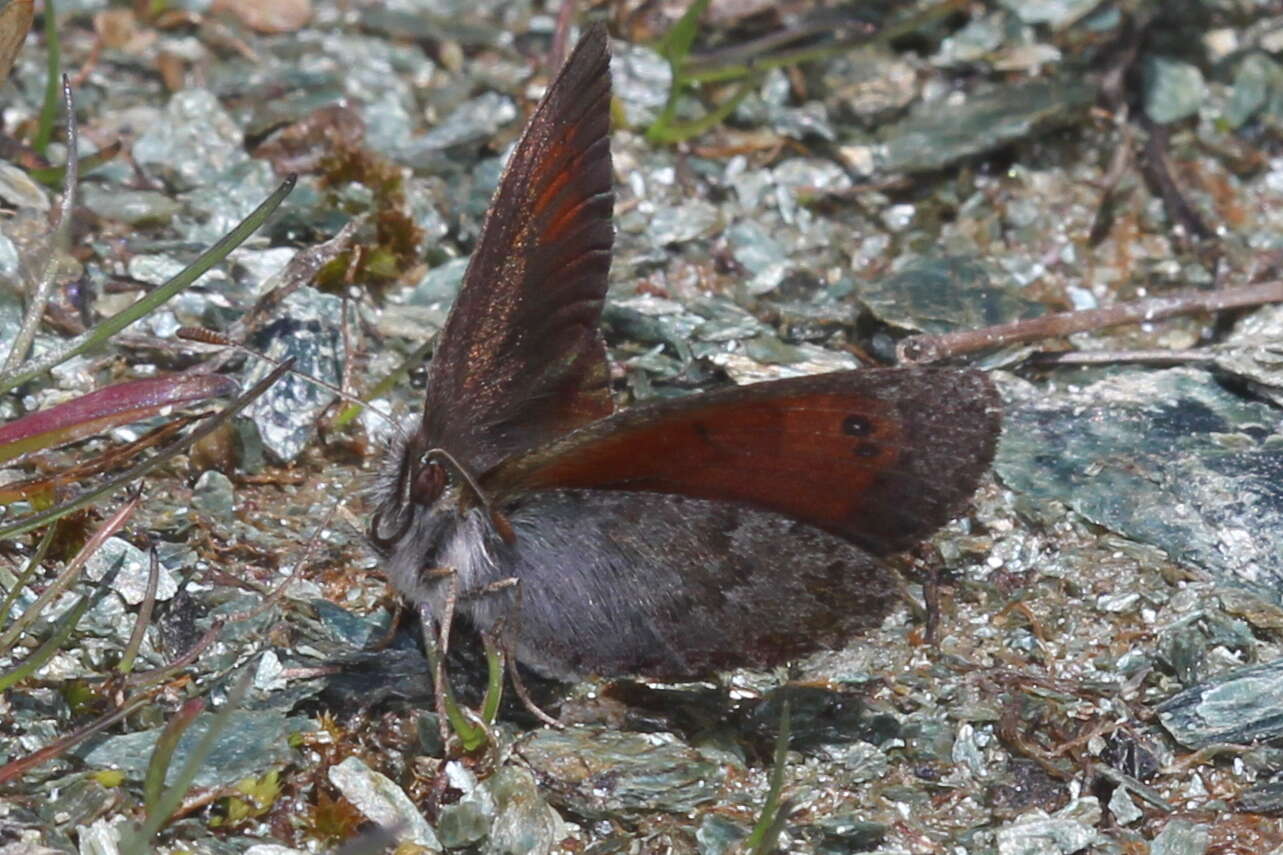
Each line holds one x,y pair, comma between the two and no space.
744,526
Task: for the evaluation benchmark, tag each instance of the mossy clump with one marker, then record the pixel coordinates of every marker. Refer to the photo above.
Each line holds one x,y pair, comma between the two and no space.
378,259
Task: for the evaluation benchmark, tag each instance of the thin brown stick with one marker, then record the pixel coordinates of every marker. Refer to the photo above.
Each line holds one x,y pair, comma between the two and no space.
561,36
931,599
309,673
523,694
1156,167
132,474
300,270
932,348
1116,357
345,369
108,459
205,798
275,595
207,336
1118,168
71,573
144,614
1122,779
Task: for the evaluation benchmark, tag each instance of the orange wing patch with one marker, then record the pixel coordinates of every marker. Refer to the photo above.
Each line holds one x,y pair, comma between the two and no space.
816,457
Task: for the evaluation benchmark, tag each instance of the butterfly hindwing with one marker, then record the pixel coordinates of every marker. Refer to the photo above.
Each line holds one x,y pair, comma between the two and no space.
881,457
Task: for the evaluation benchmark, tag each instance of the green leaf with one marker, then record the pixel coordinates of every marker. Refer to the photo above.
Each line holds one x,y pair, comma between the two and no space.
132,474
675,46
106,408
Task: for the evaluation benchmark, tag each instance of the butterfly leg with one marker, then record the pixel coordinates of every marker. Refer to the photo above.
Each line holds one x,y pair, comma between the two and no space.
519,686
446,620
492,588
499,641
436,642
398,612
431,644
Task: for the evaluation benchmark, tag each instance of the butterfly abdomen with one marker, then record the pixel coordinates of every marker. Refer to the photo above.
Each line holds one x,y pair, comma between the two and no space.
680,597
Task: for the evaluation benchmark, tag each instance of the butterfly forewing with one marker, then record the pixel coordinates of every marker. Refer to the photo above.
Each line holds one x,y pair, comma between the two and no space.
521,359
881,457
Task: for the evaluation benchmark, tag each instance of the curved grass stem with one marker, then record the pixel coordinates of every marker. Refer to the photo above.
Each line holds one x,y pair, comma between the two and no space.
57,244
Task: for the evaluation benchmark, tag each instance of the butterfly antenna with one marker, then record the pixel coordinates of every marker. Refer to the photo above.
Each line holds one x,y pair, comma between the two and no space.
499,521
464,475
204,336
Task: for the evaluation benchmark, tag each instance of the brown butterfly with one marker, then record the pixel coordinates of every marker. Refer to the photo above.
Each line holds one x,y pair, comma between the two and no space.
743,526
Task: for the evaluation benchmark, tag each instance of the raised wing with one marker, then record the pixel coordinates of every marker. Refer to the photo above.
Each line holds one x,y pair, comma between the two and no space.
881,457
521,359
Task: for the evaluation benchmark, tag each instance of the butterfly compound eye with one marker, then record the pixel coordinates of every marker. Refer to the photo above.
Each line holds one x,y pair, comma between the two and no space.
429,483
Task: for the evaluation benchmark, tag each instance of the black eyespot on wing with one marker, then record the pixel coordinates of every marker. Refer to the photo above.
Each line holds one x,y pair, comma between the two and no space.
856,425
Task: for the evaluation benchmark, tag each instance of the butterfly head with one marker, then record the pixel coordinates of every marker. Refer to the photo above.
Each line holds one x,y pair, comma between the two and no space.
426,480
417,477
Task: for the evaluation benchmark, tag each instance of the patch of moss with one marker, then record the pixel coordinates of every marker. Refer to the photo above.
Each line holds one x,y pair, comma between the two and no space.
382,257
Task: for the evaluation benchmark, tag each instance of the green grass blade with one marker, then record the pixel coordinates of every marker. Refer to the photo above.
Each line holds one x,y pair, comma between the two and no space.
45,652
25,576
770,820
494,685
70,573
126,663
54,175
675,46
385,385
168,801
162,755
44,287
15,769
149,302
670,132
471,736
44,129
65,626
